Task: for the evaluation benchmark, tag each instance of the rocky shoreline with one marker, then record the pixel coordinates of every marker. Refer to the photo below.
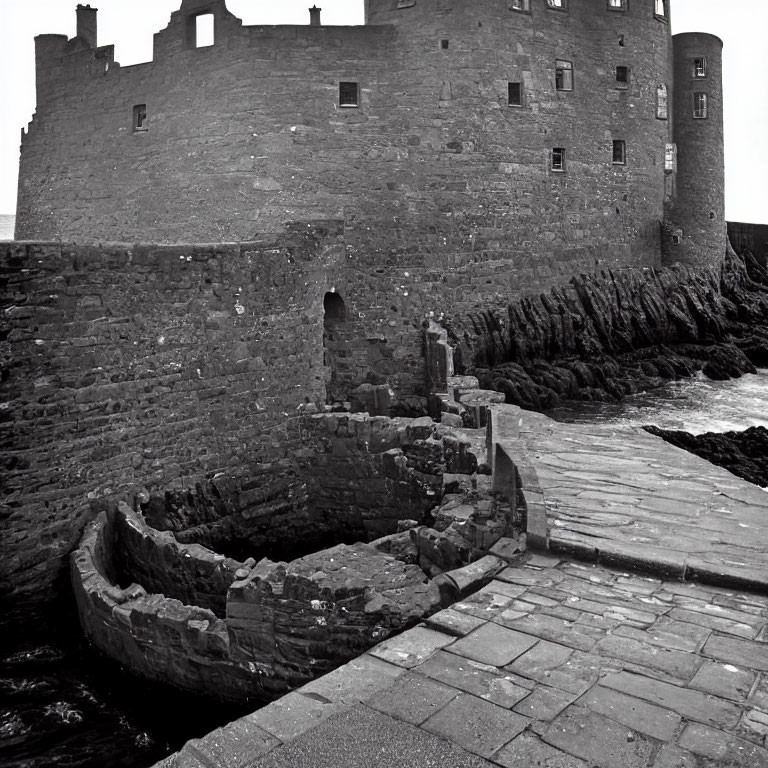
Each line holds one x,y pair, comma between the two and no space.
745,454
610,335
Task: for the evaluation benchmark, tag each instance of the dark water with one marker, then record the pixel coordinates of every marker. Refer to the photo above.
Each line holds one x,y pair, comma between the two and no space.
64,705
694,405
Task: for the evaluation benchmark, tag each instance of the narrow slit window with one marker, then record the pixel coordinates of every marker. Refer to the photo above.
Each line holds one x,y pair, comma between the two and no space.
700,67
204,30
348,94
521,5
617,5
662,103
559,5
515,94
140,122
622,77
661,8
558,159
619,152
699,105
563,75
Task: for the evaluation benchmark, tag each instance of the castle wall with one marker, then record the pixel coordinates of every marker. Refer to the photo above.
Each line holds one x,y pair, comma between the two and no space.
433,168
697,212
129,368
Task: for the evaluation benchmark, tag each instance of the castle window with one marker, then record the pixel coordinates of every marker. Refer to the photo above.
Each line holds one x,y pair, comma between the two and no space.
617,5
699,105
202,30
558,159
348,94
559,5
444,44
700,67
660,9
563,75
619,152
140,118
622,77
662,103
515,94
521,5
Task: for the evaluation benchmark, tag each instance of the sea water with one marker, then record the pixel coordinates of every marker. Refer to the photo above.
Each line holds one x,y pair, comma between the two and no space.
695,405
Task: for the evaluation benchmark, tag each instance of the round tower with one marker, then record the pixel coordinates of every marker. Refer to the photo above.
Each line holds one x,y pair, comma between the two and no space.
697,228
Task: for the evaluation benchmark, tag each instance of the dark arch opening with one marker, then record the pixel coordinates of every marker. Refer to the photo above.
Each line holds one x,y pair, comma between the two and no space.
334,307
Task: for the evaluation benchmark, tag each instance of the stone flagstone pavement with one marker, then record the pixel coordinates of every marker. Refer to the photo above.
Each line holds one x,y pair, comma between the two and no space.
610,660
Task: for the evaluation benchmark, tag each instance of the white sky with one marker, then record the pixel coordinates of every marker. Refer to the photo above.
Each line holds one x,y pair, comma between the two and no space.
130,24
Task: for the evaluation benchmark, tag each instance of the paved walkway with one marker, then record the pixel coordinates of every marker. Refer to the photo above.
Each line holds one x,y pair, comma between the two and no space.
560,662
620,496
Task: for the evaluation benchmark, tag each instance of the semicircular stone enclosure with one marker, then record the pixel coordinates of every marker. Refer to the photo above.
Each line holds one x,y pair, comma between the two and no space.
249,588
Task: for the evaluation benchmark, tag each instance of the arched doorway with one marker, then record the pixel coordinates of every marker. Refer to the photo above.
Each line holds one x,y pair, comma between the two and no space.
336,343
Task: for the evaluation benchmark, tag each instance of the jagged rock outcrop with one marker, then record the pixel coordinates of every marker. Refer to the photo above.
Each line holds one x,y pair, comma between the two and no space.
609,335
743,453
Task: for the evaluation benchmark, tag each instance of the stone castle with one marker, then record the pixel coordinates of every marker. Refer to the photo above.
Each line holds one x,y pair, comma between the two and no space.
453,131
247,227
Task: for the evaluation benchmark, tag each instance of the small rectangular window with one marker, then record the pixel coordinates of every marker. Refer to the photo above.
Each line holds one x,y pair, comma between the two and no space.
670,158
622,77
520,5
563,75
619,152
558,159
515,94
661,8
699,105
405,4
662,103
700,67
140,118
348,94
204,32
617,5
559,5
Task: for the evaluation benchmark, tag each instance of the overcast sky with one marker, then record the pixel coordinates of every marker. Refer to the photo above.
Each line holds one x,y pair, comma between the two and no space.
130,24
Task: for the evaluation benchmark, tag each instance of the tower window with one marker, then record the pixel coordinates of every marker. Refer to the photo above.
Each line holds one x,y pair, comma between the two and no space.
699,105
558,159
700,67
444,44
662,103
622,77
520,5
202,30
660,9
563,75
619,152
348,94
559,5
515,94
140,118
617,5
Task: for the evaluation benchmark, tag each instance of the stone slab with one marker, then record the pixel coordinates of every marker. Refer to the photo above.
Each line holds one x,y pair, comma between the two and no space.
722,747
601,742
363,737
482,680
412,647
493,644
476,725
635,713
528,750
413,698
